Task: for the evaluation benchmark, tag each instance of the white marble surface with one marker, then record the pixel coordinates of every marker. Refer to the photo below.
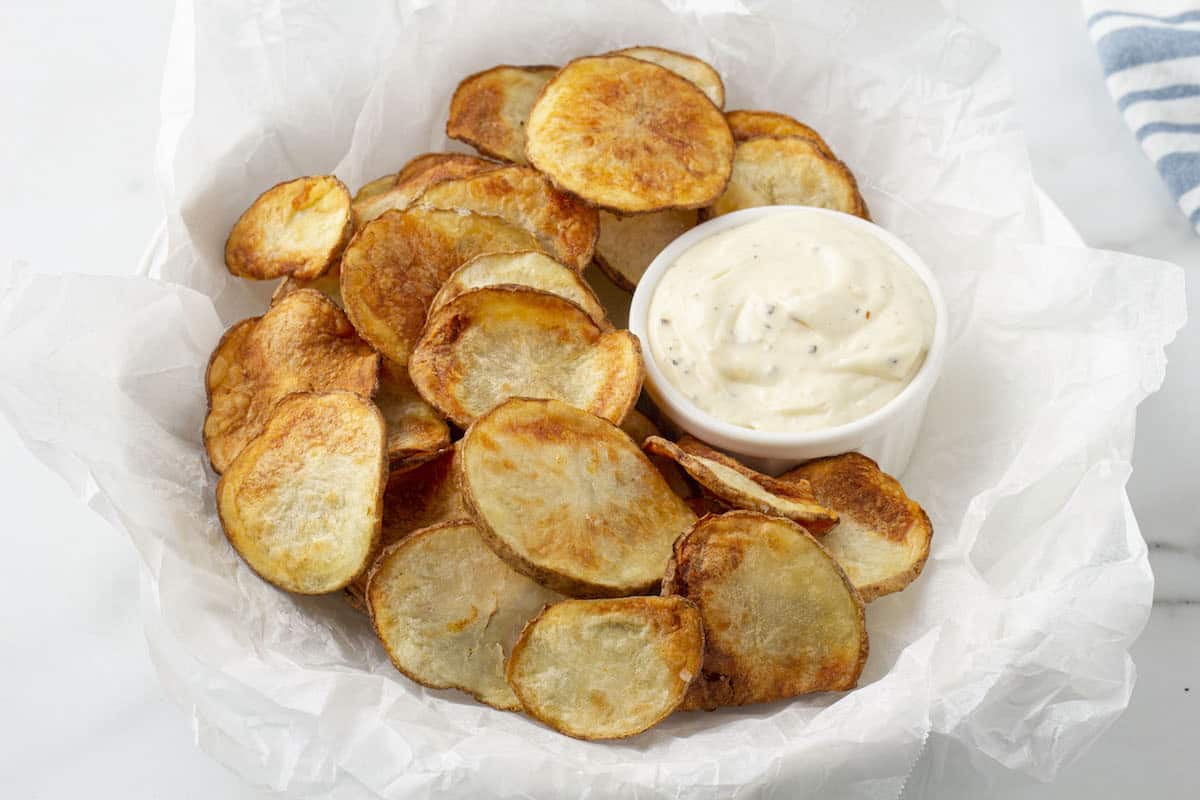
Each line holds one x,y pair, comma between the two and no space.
80,85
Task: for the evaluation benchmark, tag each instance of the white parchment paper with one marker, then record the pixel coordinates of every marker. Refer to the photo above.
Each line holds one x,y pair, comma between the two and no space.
1011,649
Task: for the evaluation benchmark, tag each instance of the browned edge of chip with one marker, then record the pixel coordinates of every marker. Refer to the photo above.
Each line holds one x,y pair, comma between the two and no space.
240,328
719,82
689,452
742,122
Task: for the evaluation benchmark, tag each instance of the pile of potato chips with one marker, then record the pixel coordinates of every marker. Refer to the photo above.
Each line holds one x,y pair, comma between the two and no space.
436,416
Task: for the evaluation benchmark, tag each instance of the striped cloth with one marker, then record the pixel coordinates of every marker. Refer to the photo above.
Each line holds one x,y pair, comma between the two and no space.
1150,51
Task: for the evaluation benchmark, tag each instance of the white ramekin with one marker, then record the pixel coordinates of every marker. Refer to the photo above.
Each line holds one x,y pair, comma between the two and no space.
887,434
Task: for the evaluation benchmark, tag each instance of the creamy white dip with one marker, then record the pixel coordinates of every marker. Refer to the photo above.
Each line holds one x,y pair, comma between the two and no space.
794,322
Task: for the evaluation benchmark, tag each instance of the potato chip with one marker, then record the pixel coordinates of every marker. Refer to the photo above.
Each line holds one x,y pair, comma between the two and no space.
567,499
414,427
448,611
398,262
419,494
788,170
883,537
414,178
741,487
328,284
693,69
526,268
298,227
301,503
522,196
753,124
629,136
607,669
374,188
490,344
639,428
627,245
489,109
780,616
303,343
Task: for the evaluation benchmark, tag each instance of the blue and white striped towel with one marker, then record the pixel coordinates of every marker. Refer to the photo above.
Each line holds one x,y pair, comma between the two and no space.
1150,51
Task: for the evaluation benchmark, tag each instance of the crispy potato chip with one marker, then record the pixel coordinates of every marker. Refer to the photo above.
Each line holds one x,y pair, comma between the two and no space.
301,503
639,428
298,227
303,343
489,344
629,136
747,124
567,499
627,245
419,494
328,284
448,611
489,109
522,196
414,427
780,616
398,262
413,179
527,268
883,537
607,669
693,69
742,487
788,170
374,188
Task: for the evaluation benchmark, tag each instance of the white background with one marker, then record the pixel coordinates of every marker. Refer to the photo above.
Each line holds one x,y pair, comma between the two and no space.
83,714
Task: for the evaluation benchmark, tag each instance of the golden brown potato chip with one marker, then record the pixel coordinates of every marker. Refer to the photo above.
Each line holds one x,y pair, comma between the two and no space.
413,179
448,611
301,503
414,427
398,262
780,616
788,170
639,428
489,109
693,69
741,487
418,164
629,136
328,284
374,188
883,537
627,245
303,343
419,494
527,268
522,196
489,344
567,499
607,669
747,124
294,228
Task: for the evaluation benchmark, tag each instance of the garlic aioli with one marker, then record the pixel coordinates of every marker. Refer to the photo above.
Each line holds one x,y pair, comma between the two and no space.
793,322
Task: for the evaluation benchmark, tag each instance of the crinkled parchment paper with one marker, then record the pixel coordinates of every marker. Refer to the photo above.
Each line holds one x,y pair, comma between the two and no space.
1010,652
